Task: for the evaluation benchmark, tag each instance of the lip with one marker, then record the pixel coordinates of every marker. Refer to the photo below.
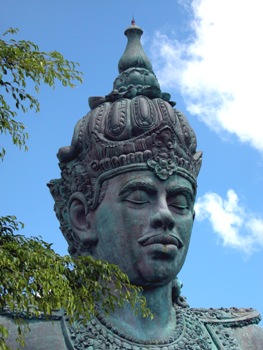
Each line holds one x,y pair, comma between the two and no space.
161,238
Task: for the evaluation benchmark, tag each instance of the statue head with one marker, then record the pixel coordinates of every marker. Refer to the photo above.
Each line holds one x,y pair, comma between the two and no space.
128,179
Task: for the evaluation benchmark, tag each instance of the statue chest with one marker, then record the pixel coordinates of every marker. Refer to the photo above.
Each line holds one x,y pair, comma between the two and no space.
196,329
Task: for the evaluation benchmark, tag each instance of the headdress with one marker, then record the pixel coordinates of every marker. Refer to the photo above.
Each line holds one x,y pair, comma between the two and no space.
135,127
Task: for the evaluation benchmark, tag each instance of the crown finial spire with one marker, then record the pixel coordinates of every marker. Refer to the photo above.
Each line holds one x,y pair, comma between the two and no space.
134,55
136,76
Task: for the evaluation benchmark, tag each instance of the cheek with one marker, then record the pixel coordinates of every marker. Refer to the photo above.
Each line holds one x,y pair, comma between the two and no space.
133,219
105,223
104,220
186,230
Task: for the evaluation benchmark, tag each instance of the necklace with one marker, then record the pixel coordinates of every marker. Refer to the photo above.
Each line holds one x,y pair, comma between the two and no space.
100,334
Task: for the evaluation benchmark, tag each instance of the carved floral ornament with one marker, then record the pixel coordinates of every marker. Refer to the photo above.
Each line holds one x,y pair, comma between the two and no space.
139,130
164,161
196,329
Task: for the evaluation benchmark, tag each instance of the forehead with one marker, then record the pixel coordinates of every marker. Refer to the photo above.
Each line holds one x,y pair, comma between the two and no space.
146,176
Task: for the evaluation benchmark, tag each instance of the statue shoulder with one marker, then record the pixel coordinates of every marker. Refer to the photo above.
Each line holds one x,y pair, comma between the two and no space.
40,332
229,317
236,327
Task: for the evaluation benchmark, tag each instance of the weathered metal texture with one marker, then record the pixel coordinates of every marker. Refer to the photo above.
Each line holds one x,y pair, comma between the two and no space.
197,329
133,128
126,195
129,183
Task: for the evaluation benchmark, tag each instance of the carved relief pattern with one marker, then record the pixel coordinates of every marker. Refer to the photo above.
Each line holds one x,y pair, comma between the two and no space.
116,119
144,115
195,329
224,336
164,161
219,323
232,316
189,334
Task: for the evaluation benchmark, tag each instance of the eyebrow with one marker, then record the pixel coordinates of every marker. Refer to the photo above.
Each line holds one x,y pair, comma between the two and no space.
138,185
173,190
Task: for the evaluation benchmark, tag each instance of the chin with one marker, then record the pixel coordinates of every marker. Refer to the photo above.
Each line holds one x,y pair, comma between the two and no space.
155,278
156,281
155,270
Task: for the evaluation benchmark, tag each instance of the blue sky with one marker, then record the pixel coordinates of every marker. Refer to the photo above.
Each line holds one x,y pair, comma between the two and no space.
207,55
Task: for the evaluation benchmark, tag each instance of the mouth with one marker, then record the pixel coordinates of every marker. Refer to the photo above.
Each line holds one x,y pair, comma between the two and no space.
161,238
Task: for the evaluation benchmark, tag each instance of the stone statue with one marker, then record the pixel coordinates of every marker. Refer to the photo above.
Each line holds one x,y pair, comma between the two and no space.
126,195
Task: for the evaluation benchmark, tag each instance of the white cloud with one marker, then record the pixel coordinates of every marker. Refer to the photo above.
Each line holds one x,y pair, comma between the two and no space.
235,227
219,70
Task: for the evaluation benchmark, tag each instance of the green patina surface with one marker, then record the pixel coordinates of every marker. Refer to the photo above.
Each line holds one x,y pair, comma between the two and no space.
126,195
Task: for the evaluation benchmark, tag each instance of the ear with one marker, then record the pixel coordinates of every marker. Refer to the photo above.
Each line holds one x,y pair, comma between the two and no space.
79,218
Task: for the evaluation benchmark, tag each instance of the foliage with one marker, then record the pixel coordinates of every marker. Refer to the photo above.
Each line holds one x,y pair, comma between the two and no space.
36,280
22,62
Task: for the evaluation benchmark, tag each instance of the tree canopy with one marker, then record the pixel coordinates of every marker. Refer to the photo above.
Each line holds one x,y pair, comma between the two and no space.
22,62
35,280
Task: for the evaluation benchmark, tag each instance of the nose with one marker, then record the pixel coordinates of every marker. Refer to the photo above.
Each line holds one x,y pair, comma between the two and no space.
162,219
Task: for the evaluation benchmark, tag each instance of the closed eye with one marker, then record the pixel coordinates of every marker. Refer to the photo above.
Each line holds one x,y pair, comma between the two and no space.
179,202
178,206
137,197
136,201
179,209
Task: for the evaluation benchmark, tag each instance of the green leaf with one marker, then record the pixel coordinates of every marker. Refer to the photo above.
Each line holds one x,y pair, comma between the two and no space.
24,62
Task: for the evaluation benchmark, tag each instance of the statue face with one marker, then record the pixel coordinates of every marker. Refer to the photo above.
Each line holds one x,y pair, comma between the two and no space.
144,226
